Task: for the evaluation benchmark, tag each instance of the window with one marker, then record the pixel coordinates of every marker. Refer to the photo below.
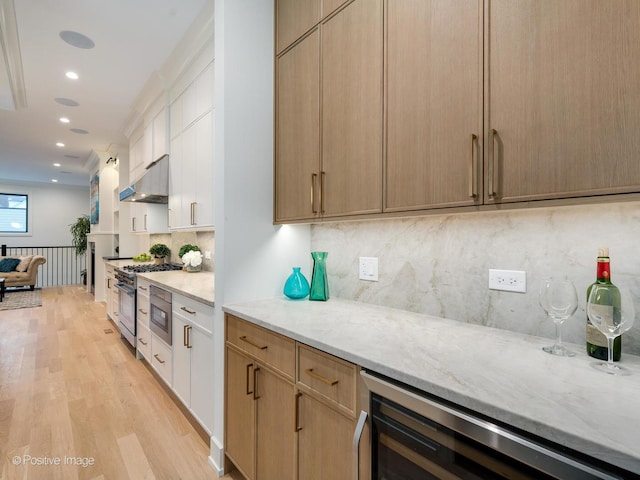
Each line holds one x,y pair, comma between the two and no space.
14,213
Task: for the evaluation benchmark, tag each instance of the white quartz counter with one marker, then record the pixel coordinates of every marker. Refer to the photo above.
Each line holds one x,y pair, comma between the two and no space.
199,286
501,374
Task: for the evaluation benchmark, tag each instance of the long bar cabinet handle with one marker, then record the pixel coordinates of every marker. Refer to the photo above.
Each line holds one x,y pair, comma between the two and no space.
193,213
189,327
185,309
297,427
249,392
246,339
184,335
322,181
314,177
142,341
144,312
158,358
492,165
357,436
472,169
311,373
255,383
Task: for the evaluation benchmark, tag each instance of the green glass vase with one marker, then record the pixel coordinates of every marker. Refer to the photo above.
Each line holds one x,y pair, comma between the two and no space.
319,284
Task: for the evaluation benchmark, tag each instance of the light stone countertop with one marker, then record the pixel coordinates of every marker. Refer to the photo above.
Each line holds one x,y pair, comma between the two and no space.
199,286
501,374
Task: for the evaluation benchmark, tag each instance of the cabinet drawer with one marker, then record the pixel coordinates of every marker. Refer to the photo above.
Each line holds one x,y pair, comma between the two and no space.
161,358
143,342
269,347
327,375
142,313
194,312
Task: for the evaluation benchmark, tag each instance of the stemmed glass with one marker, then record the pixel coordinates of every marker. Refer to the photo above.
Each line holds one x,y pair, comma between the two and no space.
559,300
613,314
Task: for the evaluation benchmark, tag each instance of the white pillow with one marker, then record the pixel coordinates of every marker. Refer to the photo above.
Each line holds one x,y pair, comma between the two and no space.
24,263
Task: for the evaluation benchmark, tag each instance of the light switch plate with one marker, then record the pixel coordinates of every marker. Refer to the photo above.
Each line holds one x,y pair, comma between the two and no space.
207,254
368,269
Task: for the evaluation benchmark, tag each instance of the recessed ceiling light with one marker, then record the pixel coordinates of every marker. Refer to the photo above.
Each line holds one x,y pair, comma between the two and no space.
64,119
72,75
59,144
56,165
79,130
54,180
66,102
76,39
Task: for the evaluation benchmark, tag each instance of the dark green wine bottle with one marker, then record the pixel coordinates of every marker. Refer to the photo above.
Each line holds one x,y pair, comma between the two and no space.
596,341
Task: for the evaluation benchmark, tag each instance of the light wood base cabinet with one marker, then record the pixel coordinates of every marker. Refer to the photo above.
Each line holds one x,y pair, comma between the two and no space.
275,429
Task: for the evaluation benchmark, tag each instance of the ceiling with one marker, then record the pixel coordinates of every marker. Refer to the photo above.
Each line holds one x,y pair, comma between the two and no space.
132,39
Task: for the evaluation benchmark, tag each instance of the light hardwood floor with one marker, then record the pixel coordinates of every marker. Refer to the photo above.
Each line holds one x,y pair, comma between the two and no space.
71,391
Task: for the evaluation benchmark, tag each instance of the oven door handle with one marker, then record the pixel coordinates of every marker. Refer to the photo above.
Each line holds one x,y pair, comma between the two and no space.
357,435
123,287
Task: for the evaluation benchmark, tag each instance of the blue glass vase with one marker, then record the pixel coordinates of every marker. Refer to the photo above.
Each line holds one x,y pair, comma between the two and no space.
296,286
319,284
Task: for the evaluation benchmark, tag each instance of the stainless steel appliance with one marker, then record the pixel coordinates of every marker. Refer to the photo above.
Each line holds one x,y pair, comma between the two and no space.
160,312
126,284
414,435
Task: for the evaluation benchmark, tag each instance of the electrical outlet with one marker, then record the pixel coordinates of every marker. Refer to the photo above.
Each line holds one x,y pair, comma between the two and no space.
368,269
508,280
207,255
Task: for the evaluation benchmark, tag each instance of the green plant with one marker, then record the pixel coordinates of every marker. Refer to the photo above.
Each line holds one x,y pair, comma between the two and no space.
159,250
188,248
79,231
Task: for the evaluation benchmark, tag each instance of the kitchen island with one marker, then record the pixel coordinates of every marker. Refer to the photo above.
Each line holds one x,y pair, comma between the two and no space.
503,375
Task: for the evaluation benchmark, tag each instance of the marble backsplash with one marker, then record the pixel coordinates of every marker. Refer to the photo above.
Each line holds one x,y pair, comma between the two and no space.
439,265
204,240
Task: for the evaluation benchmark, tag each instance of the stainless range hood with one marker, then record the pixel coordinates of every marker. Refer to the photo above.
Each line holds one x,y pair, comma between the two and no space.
153,186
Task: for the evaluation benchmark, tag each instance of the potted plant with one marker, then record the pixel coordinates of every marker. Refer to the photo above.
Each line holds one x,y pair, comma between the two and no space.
160,251
79,231
188,248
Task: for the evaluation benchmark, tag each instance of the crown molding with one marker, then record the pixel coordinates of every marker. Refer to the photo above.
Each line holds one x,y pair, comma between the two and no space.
11,67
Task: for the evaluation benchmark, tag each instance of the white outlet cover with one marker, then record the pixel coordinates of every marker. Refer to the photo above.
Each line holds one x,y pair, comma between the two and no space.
368,269
508,280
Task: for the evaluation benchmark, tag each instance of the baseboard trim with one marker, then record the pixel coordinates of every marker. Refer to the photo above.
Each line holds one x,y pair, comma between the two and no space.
216,457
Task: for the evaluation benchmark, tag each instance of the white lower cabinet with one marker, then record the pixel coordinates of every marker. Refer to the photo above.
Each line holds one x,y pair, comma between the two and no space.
193,357
161,359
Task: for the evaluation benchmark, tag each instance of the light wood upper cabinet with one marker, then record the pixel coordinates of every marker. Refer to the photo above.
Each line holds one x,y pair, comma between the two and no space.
294,18
434,104
297,129
329,118
563,99
351,174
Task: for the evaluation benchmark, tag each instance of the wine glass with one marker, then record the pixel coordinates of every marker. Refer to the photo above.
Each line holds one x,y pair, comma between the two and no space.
559,300
613,314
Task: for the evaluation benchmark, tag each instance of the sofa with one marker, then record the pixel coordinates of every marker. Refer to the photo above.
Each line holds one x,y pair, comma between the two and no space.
25,273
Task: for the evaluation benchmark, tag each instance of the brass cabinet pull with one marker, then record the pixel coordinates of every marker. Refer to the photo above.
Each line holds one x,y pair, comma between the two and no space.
193,213
255,383
133,224
188,341
312,374
142,311
314,176
185,309
492,165
145,222
246,339
158,358
472,169
108,283
143,288
249,365
296,426
141,340
168,217
322,175
184,335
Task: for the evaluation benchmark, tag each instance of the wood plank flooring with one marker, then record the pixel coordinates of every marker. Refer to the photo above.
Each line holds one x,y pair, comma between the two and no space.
76,404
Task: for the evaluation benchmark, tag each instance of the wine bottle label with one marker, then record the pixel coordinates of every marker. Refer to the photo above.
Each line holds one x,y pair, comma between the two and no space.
595,336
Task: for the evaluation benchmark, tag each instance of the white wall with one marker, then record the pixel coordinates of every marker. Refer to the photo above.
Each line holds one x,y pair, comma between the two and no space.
439,265
53,209
253,257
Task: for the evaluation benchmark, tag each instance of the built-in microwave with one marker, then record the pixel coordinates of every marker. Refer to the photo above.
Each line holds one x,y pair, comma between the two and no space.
160,313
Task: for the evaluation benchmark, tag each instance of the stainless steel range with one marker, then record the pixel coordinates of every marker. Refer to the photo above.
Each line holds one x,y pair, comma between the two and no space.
126,283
